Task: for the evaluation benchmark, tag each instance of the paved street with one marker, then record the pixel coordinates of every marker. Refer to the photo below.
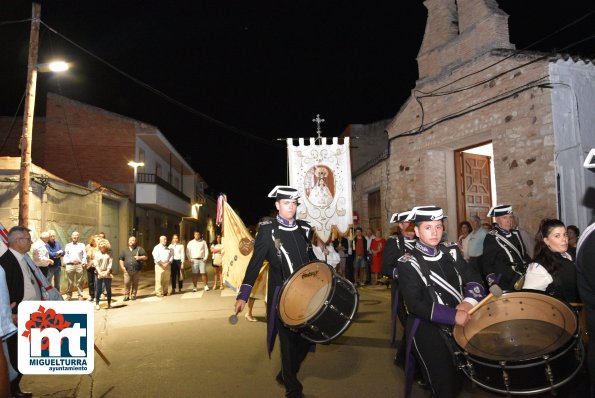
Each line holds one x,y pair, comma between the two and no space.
183,346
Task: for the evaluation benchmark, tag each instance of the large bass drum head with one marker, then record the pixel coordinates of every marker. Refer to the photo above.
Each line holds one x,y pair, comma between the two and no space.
305,293
518,326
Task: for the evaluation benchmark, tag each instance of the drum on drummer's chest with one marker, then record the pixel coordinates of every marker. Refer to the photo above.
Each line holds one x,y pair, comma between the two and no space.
318,302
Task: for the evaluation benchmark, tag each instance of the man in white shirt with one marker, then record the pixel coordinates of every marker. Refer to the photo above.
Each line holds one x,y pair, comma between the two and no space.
41,255
163,256
198,252
75,259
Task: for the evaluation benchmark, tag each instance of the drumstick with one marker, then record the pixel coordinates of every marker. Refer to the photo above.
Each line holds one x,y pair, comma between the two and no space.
495,291
107,362
233,319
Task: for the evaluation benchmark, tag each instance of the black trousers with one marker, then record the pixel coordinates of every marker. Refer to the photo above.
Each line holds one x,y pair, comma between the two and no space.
175,275
402,318
349,268
91,282
13,344
294,349
369,269
435,359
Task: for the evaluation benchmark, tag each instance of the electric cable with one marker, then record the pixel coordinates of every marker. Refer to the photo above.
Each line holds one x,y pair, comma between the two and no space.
171,100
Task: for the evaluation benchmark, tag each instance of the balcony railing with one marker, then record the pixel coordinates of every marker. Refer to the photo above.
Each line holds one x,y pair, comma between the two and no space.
145,178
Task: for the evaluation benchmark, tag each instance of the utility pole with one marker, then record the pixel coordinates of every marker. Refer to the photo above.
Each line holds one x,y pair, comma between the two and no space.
26,137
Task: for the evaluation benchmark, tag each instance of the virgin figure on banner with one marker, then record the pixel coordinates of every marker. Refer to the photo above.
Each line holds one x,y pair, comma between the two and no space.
320,186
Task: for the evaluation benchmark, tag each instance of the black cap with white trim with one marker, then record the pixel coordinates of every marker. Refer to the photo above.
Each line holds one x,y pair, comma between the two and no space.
500,210
399,217
284,192
426,213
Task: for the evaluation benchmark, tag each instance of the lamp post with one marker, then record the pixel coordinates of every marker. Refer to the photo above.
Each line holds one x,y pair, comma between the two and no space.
135,166
26,136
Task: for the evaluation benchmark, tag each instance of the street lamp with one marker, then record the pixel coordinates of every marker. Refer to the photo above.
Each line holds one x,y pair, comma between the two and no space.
135,166
26,136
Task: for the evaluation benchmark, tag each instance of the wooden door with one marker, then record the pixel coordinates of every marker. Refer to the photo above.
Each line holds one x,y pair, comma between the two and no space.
474,191
374,210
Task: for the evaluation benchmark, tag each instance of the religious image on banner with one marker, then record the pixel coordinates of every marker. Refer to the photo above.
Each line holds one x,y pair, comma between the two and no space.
321,172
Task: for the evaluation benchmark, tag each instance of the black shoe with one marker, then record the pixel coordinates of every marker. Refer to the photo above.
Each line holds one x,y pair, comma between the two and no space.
126,298
22,394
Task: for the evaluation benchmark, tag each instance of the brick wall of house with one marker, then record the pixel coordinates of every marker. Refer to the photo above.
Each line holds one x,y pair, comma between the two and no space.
372,180
516,120
87,143
474,88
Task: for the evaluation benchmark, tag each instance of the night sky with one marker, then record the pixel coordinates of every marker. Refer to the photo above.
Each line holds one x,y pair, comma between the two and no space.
262,69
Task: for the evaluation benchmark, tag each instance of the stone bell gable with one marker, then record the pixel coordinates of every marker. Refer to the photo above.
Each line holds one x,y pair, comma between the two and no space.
457,31
475,88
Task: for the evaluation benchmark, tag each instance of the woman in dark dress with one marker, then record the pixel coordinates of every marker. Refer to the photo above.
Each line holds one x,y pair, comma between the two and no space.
552,269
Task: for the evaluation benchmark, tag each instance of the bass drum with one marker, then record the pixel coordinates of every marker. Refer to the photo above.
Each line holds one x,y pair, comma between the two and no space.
318,302
521,343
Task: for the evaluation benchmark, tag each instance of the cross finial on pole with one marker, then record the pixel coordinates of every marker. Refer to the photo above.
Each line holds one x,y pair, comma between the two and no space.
318,121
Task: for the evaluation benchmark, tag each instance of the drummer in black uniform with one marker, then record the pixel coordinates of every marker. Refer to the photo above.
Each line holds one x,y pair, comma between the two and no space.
284,243
439,289
505,259
396,246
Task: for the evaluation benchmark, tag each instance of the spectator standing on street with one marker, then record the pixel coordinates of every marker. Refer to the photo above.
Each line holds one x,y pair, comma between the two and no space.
198,252
369,238
41,255
474,244
177,264
359,263
377,249
56,252
102,264
465,230
325,253
163,256
132,261
573,234
341,246
217,250
75,258
7,329
91,250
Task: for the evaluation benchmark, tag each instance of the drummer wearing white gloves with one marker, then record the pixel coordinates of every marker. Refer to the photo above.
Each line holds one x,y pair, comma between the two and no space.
284,243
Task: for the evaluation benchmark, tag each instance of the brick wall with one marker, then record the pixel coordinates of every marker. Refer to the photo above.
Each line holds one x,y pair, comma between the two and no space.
85,143
518,125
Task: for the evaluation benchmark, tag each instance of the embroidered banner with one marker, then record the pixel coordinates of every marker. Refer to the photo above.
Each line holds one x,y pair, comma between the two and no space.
238,246
322,174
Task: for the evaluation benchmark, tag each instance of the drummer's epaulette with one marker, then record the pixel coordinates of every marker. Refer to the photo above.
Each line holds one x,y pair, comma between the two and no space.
450,244
493,232
265,222
406,257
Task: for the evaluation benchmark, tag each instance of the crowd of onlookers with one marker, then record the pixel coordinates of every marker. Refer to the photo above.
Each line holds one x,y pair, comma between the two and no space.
32,271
